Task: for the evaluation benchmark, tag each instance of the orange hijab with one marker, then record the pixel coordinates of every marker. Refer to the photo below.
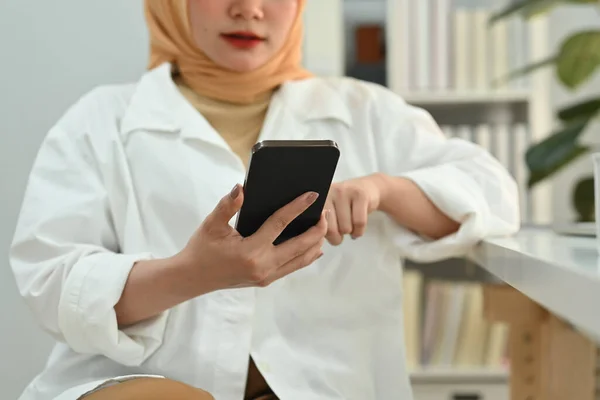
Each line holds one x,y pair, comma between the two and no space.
171,41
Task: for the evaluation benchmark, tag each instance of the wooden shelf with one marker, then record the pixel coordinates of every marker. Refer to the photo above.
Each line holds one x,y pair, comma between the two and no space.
475,97
440,375
453,270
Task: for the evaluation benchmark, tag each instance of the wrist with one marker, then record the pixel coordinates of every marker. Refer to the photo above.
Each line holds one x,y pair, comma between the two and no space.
380,182
189,277
162,285
387,187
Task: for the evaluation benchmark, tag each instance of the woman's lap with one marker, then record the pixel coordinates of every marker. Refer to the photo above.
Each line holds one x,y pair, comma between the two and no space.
153,388
149,389
146,387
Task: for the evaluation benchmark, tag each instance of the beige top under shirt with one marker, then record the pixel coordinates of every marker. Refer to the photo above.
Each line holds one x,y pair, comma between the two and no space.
238,124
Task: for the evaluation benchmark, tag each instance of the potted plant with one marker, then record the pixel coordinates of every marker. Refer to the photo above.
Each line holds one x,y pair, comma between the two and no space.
577,60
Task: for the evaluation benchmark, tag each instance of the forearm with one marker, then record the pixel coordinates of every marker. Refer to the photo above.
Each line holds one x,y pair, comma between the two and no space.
153,287
408,205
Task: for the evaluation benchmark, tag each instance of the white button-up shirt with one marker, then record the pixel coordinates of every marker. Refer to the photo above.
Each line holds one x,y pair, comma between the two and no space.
130,172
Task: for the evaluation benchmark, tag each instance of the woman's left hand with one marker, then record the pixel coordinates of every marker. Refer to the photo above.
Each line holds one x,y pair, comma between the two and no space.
349,204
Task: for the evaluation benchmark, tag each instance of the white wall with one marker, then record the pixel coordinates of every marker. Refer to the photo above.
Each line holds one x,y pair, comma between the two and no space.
52,52
564,21
321,53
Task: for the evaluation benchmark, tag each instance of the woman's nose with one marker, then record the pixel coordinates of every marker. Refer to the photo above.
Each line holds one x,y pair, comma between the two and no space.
247,9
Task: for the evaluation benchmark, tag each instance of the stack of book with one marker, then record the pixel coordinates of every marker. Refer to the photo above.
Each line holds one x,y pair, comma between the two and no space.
445,327
449,45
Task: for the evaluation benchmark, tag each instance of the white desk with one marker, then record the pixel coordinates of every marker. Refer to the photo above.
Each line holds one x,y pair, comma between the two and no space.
561,273
557,279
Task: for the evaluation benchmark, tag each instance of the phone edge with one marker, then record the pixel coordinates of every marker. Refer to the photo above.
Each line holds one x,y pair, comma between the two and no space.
300,143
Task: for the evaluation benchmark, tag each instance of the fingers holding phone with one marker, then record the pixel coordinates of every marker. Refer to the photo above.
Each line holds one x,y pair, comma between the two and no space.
218,257
294,254
277,222
298,253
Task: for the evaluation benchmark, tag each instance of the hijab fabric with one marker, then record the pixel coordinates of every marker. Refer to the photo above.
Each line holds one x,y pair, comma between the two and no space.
171,40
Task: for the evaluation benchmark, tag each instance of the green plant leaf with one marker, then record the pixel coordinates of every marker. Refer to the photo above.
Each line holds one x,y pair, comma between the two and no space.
578,58
538,8
554,153
570,155
542,7
583,199
514,8
526,70
584,110
532,8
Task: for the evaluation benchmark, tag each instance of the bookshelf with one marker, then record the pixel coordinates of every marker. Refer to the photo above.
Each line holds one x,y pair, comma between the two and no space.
451,375
468,385
446,80
441,55
453,98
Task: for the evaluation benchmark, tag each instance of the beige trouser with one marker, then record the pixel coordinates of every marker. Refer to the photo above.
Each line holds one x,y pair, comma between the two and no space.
155,389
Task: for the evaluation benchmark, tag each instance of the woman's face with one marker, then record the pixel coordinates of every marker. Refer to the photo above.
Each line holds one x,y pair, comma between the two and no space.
241,35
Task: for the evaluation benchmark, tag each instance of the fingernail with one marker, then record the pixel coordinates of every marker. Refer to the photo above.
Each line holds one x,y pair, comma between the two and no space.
320,255
311,197
327,212
235,192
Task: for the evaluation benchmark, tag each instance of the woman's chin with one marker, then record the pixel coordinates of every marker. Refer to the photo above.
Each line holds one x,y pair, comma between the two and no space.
243,63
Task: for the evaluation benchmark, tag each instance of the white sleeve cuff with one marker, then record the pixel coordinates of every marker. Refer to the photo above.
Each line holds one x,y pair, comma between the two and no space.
87,316
461,199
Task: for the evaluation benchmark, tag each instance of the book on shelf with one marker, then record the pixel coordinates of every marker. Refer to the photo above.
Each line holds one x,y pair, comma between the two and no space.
445,327
445,45
411,285
522,139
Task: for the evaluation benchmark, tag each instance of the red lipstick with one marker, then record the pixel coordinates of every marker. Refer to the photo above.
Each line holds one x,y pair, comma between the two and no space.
243,40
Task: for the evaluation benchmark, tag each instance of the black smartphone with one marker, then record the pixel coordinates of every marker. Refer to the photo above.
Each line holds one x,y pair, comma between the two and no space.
280,171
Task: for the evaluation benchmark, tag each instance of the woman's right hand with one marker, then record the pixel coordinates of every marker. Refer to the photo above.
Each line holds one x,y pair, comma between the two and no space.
218,257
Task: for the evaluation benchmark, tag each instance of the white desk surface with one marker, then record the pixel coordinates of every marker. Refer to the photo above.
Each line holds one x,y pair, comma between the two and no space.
561,273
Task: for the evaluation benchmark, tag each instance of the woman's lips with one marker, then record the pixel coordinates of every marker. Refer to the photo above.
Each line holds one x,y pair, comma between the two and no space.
243,40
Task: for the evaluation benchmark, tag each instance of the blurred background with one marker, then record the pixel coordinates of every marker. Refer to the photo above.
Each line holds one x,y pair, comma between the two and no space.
438,54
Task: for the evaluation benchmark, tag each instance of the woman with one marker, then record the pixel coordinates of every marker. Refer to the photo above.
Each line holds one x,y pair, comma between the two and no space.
126,261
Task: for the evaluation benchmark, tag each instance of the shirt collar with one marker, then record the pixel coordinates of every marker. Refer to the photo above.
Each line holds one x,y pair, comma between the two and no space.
157,104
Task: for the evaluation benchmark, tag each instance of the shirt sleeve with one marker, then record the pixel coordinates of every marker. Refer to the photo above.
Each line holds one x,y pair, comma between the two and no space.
65,255
461,178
